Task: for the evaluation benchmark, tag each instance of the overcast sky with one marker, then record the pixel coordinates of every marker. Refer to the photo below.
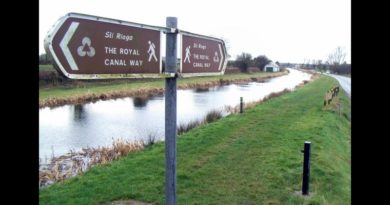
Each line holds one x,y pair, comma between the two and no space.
283,30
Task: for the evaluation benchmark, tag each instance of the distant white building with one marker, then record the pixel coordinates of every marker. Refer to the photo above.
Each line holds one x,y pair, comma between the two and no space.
271,67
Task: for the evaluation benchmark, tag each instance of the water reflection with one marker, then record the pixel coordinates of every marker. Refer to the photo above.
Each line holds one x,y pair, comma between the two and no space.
201,90
140,101
97,124
79,113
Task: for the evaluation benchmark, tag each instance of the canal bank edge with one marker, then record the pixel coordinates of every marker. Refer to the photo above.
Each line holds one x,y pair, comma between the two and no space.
147,92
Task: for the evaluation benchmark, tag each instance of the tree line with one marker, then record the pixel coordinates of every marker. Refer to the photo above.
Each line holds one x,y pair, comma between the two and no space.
245,60
335,63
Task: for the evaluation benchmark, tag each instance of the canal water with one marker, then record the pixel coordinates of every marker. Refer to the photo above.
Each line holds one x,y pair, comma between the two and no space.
72,127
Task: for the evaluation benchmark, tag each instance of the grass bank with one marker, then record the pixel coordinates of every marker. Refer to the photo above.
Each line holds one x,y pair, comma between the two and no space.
47,67
88,92
249,158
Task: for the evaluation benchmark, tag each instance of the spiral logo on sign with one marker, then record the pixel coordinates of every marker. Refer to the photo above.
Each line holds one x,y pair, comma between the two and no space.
86,48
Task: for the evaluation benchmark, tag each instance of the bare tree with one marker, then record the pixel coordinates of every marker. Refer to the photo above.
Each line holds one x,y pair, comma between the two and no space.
313,64
319,65
243,61
337,57
306,63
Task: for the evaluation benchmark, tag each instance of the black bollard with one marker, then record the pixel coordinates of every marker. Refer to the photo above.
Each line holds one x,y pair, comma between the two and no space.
241,105
306,168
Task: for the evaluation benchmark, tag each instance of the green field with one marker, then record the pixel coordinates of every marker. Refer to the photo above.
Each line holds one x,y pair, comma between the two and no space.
249,158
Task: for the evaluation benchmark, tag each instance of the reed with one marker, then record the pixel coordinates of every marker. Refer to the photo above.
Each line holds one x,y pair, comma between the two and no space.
75,163
211,116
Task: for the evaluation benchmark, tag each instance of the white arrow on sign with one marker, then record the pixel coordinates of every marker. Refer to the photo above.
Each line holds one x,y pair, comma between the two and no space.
220,63
64,45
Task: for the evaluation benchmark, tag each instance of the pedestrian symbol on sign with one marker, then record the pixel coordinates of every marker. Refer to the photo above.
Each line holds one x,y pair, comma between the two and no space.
188,55
152,51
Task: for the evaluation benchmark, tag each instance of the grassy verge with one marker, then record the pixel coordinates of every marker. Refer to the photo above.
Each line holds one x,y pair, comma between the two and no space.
47,67
79,93
249,158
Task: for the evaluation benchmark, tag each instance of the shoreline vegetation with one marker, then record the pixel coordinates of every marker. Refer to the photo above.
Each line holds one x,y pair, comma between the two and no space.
80,93
75,163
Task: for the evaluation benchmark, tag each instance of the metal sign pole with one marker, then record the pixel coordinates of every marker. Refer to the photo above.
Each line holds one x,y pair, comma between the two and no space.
170,113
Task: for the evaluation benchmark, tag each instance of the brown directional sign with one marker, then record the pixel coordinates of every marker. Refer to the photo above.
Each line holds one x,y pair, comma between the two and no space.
202,55
86,47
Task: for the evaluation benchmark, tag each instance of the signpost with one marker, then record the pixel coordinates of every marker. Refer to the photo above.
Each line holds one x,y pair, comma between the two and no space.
88,47
91,47
202,55
170,113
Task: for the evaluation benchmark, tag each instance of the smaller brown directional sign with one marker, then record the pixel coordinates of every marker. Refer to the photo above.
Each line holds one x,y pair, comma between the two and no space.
202,55
87,47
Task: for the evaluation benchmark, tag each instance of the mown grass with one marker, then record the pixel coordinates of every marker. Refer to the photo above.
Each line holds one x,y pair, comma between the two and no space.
47,67
249,158
104,87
